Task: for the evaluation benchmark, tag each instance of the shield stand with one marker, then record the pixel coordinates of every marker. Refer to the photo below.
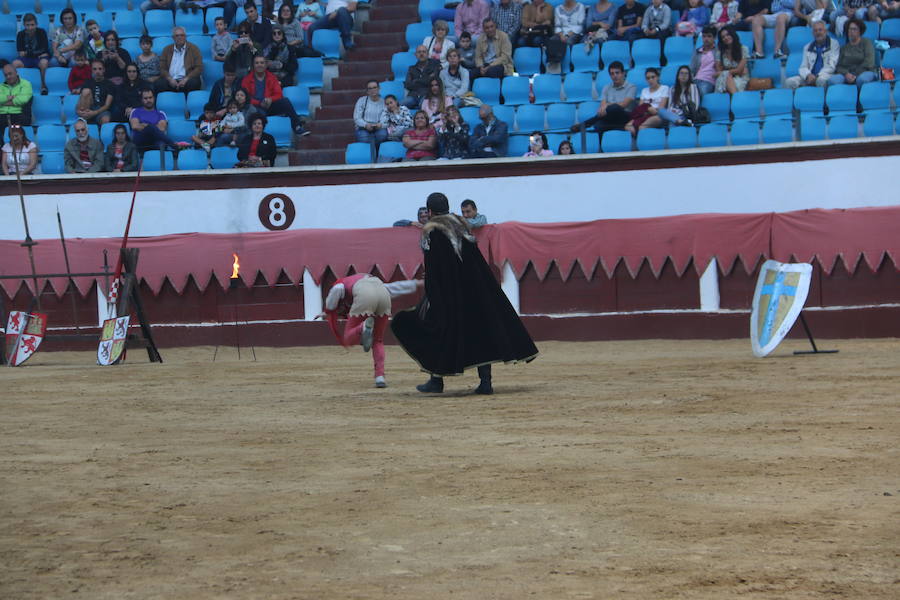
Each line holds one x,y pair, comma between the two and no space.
815,349
131,294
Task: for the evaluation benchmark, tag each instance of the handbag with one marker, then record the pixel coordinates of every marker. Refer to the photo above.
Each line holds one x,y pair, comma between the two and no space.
697,114
759,83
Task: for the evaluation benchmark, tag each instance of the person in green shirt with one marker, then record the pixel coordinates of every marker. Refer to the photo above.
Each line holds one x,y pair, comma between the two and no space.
15,94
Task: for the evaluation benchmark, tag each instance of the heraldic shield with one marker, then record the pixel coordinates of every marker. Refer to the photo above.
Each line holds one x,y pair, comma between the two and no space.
24,333
780,295
112,341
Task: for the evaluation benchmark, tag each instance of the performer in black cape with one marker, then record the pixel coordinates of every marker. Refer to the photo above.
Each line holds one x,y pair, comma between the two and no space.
465,319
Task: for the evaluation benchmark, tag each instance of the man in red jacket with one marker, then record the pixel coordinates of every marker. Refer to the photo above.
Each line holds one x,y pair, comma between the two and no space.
266,95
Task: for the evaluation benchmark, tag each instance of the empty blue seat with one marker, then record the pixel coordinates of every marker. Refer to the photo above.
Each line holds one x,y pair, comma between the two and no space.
843,126
159,23
57,80
615,50
394,88
51,138
682,137
299,97
554,140
527,61
645,53
515,90
530,117
52,163
745,105
812,127
616,141
487,89
171,103
546,88
133,47
841,98
778,103
358,153
586,110
426,7
212,72
210,15
107,134
223,157
69,104
400,64
578,87
416,34
792,67
678,50
712,135
518,145
193,160
196,100
668,74
767,68
879,123
103,19
8,47
311,71
154,160
203,43
560,117
651,139
746,38
875,95
54,6
809,99
586,62
130,24
280,129
890,29
46,110
328,42
639,78
469,114
744,133
181,130
591,143
718,106
504,113
33,75
777,131
8,29
797,38
193,25
20,7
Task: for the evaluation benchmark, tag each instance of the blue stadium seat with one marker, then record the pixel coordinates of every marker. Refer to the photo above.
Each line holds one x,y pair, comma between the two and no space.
310,72
487,89
33,75
469,114
515,90
603,79
554,140
645,53
792,67
778,103
52,163
196,100
193,160
616,141
7,48
651,139
193,25
841,99
639,78
328,42
668,74
767,68
586,110
280,129
107,133
560,116
583,62
400,64
20,7
416,33
546,88
530,117
527,61
159,23
203,43
578,87
358,153
746,38
745,133
181,130
812,127
426,7
843,126
890,29
614,50
46,110
591,143
8,29
797,38
55,6
57,79
223,157
872,29
518,145
130,24
809,99
745,106
504,113
875,95
718,106
210,15
299,97
212,72
171,103
154,162
133,47
51,138
712,135
69,104
682,137
678,51
777,131
878,123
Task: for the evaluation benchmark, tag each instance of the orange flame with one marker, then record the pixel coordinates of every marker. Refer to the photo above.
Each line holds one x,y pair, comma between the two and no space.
235,267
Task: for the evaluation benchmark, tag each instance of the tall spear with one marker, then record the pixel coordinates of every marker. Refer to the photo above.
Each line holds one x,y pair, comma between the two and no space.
62,239
28,243
114,291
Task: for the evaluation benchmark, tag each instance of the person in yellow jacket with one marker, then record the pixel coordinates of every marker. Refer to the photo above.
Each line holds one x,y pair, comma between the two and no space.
15,94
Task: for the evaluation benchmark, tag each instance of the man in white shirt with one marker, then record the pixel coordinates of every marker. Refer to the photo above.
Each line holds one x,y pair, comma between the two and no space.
338,15
180,65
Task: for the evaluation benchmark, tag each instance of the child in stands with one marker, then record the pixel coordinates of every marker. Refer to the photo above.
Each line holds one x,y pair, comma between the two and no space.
233,124
466,50
80,72
207,128
309,13
148,60
94,43
221,41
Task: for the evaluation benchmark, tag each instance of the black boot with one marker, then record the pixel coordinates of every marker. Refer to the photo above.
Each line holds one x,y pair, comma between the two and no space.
434,385
485,387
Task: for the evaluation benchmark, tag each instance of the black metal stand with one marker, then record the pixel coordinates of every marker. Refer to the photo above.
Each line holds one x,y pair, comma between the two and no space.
815,350
131,294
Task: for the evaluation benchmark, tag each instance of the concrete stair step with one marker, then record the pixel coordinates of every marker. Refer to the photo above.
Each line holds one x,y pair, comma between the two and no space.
372,54
341,97
340,111
371,40
325,127
363,69
386,26
327,142
409,13
299,158
358,82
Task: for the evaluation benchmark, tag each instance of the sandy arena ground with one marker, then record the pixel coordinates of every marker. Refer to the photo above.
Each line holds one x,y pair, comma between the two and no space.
652,469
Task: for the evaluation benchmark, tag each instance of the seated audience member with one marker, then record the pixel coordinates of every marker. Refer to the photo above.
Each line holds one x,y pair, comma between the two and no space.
694,18
180,65
242,52
419,76
94,44
229,9
20,155
453,135
654,98
121,155
266,95
158,5
568,21
455,78
629,19
601,21
290,24
420,141
684,99
395,118
221,41
15,95
731,62
780,14
233,125
67,38
207,128
149,126
338,15
33,48
466,51
616,101
703,62
752,17
508,17
244,106
114,58
148,60
864,10
807,12
83,154
537,24
725,12
657,21
80,72
856,62
820,58
309,12
128,95
491,137
537,145
436,102
438,44
223,90
470,16
282,62
493,53
422,217
367,115
565,148
97,96
257,148
471,215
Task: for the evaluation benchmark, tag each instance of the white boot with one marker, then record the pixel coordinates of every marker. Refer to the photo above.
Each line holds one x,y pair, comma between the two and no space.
380,382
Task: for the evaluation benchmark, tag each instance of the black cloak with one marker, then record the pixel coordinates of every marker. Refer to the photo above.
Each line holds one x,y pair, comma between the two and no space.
465,319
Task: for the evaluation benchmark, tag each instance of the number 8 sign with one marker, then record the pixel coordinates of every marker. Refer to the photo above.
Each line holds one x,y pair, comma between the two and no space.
276,212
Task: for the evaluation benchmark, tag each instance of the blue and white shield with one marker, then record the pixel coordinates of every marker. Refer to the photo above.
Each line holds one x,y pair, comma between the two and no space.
781,292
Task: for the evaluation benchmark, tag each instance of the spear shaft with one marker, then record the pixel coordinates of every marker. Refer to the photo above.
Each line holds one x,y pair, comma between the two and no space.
62,239
28,243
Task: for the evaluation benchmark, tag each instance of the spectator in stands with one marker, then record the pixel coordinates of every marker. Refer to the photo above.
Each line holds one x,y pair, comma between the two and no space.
282,62
121,155
242,52
629,18
367,115
260,27
453,135
470,213
694,18
856,63
149,126
491,137
419,76
778,17
97,96
229,8
731,62
338,15
158,5
83,154
128,95
80,72
493,53
422,218
466,51
220,43
33,48
565,148
436,102
455,78
265,94
601,21
207,128
752,17
290,24
233,125
537,24
654,98
807,12
244,106
180,65
114,58
684,99
616,102
537,145
148,60
420,141
257,148
437,44
93,42
310,12
657,21
863,10
395,118
725,12
68,38
470,16
703,62
820,58
223,90
20,155
508,17
568,22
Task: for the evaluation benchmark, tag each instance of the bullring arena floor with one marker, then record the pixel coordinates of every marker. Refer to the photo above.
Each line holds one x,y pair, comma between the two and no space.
651,469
